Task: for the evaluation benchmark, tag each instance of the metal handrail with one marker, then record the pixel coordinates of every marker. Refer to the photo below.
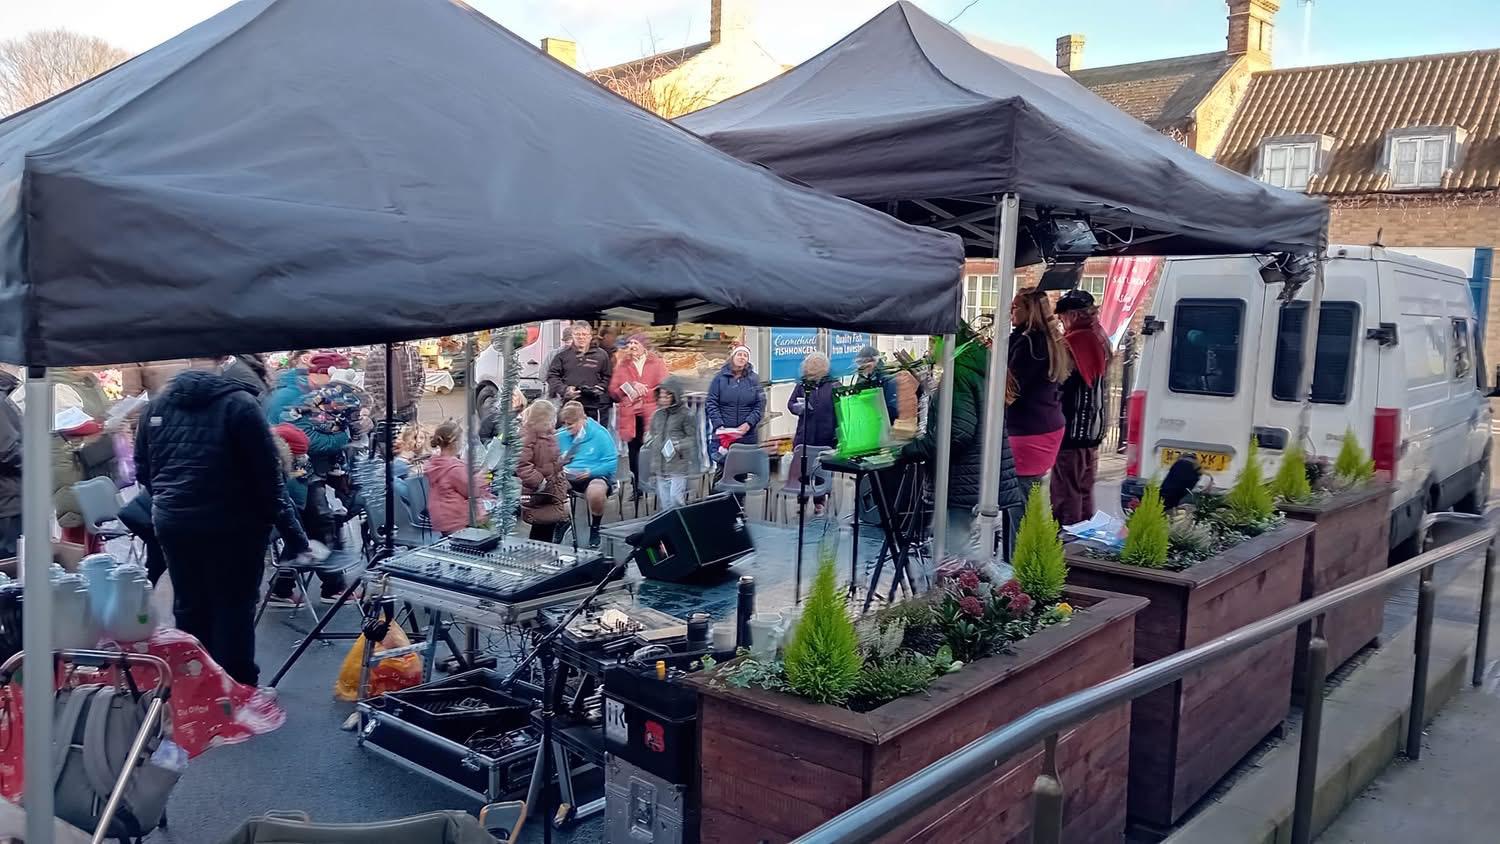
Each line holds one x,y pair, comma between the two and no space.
892,807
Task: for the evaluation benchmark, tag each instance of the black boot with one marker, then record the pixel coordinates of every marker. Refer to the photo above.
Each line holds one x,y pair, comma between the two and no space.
594,522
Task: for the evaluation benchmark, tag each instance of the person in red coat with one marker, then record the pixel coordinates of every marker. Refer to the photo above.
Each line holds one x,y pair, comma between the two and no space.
637,374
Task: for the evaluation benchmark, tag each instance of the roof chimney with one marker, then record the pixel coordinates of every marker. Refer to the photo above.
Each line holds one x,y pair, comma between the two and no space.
729,19
1070,52
1251,25
561,49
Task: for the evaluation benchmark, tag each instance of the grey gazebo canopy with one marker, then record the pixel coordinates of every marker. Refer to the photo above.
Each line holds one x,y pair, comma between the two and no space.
909,115
294,173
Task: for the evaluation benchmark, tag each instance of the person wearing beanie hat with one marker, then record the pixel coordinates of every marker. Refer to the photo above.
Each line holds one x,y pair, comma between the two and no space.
293,446
869,372
735,400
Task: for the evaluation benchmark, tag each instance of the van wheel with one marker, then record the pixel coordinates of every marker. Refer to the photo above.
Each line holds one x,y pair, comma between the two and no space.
1407,548
1479,496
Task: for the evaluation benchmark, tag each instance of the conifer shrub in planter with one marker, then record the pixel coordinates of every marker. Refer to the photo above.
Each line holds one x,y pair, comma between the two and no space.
1352,513
783,752
1229,562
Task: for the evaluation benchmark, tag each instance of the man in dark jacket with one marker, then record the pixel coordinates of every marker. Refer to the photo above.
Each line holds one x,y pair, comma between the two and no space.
580,372
204,455
10,467
966,457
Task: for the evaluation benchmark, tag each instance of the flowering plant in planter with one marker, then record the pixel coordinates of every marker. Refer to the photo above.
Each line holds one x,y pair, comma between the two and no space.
900,650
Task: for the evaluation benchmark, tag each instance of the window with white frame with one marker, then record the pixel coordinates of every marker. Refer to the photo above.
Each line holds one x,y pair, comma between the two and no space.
1093,284
1419,162
1288,166
981,295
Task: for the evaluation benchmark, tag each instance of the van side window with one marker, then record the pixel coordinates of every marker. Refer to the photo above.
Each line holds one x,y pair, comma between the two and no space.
1463,354
1333,361
1206,347
1426,352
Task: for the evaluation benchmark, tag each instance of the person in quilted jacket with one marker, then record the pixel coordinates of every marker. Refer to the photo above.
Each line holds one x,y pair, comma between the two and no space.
205,456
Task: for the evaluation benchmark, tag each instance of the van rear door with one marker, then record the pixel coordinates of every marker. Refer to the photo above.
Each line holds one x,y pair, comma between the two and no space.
1201,398
1346,366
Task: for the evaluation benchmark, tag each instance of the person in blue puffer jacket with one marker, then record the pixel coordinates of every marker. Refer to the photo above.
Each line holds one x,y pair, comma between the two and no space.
590,461
735,400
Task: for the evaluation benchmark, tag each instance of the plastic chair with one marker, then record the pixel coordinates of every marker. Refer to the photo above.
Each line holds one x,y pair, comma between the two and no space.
99,503
413,526
747,469
820,481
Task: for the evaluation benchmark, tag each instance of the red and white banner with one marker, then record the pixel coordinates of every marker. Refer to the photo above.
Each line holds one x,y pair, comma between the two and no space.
1124,289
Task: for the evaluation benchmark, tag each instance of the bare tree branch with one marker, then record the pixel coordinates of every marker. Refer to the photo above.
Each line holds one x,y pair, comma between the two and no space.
647,83
42,64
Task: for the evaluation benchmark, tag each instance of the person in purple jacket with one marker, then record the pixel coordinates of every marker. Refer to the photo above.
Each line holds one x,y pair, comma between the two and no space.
735,399
1039,363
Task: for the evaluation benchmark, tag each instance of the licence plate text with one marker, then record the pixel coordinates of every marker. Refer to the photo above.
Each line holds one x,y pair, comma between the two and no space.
1208,461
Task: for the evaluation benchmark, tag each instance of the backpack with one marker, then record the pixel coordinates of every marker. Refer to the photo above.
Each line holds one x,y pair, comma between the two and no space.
1083,409
95,727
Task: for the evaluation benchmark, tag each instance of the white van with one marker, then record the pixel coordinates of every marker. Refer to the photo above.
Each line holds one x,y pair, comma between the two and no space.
1399,360
542,340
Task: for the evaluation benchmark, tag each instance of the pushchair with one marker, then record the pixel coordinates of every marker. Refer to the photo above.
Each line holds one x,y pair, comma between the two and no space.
106,773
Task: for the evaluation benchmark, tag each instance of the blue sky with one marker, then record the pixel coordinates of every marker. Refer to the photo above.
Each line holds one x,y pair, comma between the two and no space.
610,31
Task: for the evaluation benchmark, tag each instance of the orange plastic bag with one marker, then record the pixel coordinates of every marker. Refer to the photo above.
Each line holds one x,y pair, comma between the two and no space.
387,675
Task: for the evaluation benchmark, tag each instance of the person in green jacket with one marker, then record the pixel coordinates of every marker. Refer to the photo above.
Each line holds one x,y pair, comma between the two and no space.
672,444
966,457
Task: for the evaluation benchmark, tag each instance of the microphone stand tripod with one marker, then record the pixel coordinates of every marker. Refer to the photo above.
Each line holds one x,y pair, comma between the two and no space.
541,772
801,490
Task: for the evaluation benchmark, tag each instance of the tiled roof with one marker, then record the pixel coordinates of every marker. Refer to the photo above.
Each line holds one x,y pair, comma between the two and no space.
1357,104
656,64
1163,93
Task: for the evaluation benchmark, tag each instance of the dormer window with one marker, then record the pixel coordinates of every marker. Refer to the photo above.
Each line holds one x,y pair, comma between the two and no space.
1418,157
1288,165
1291,161
1419,162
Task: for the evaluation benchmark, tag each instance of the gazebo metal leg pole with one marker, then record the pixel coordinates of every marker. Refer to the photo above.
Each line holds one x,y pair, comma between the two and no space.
1007,214
944,455
36,625
1310,348
389,434
471,430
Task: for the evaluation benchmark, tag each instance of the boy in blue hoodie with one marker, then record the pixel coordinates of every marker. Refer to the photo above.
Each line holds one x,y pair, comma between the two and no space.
590,460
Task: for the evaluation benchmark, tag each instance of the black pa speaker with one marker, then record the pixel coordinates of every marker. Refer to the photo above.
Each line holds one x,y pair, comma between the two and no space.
683,541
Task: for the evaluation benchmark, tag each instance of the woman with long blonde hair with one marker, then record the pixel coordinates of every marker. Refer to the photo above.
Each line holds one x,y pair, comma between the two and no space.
1039,363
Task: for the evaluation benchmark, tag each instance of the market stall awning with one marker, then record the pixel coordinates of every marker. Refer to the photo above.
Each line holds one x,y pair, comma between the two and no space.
906,111
298,173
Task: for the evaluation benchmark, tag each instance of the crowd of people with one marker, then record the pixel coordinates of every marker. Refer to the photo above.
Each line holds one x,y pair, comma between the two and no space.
235,455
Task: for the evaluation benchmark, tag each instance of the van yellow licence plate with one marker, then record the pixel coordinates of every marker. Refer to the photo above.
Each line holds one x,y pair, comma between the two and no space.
1208,461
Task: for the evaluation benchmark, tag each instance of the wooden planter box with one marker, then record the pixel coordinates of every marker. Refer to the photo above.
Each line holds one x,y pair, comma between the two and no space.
1351,543
1185,737
775,766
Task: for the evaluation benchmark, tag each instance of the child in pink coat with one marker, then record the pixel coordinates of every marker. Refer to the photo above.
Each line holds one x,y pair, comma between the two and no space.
448,483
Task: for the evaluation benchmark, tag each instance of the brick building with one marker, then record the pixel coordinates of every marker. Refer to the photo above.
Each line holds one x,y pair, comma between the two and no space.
1405,150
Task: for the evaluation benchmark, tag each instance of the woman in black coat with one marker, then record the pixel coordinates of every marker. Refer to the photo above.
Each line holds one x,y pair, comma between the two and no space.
812,400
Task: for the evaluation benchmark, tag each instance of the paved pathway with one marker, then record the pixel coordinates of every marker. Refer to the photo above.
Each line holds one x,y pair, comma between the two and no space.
1449,795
